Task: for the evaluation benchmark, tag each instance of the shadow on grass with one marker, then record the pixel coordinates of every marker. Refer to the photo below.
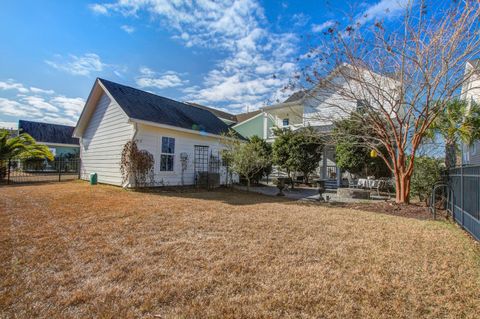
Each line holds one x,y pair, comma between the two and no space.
225,195
33,183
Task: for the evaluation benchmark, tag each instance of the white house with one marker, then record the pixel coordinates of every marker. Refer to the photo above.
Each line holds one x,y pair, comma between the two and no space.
184,140
471,93
319,107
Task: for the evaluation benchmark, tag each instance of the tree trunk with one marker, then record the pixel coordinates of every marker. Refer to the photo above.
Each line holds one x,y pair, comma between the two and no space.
291,179
402,188
248,184
450,154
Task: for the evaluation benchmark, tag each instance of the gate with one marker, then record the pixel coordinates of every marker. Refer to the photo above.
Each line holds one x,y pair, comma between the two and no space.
38,170
464,197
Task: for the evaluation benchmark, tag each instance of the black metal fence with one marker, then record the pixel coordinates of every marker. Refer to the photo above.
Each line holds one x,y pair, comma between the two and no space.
464,197
28,171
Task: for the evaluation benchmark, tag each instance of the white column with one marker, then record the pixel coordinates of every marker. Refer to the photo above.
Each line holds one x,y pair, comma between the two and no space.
265,126
324,164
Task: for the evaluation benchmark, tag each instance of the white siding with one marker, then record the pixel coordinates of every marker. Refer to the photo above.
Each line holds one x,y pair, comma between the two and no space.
150,138
471,93
102,142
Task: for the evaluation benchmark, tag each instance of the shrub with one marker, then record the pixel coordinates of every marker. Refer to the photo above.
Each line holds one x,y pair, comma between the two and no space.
426,173
136,165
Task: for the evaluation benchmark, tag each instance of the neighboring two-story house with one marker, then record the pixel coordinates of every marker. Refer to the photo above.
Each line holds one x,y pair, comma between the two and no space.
471,92
318,107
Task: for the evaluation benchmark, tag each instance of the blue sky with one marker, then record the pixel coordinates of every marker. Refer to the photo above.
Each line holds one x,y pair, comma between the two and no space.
218,53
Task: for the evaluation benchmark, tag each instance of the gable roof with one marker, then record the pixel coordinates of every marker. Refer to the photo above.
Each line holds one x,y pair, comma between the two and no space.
144,106
296,96
216,112
246,116
48,133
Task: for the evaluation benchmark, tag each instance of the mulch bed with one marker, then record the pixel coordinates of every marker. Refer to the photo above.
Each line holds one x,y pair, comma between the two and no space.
416,210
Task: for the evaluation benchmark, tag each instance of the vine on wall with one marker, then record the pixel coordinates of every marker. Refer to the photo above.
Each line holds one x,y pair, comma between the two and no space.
136,165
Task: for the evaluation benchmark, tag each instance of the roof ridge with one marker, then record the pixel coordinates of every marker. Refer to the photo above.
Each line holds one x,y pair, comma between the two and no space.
37,122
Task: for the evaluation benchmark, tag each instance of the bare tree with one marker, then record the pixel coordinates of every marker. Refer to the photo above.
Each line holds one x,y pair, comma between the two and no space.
397,79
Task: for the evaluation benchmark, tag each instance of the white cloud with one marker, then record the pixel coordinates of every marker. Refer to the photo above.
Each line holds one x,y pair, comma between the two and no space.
128,28
78,65
300,19
10,84
12,108
236,28
98,8
151,79
57,120
382,9
71,106
41,91
9,125
40,105
323,26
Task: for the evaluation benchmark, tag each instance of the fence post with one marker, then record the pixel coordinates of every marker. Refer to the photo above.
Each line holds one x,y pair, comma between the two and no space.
461,192
8,172
79,166
60,170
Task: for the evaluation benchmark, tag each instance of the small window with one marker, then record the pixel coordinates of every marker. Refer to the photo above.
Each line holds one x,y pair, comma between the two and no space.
167,155
474,149
285,122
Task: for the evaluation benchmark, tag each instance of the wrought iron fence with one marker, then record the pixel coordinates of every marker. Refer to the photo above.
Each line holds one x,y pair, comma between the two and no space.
27,171
464,197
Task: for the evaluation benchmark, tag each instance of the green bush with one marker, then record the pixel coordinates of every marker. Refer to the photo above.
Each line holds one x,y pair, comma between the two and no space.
427,171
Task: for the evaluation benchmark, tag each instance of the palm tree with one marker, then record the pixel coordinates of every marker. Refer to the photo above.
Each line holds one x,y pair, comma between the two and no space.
458,123
22,146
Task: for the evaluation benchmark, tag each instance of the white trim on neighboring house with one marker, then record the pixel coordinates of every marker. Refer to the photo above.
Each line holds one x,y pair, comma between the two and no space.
58,144
247,120
226,121
176,128
282,105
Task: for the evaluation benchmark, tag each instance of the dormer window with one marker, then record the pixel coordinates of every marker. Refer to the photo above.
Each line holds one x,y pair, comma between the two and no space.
285,122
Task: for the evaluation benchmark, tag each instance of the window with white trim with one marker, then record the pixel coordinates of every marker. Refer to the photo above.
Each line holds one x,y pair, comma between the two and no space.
286,122
168,154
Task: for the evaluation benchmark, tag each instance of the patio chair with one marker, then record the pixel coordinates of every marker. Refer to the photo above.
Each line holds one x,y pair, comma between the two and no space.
382,185
352,183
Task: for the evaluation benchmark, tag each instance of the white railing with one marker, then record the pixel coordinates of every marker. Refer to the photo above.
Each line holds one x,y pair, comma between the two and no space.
293,127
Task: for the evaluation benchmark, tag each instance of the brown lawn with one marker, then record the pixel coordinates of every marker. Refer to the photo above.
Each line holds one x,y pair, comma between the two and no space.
71,250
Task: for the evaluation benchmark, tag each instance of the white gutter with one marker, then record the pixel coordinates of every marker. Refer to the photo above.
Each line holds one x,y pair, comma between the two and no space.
176,128
58,144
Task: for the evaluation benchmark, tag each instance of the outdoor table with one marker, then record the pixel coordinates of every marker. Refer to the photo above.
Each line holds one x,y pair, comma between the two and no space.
367,183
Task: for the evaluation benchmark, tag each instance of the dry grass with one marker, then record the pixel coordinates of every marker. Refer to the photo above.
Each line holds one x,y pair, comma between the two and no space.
70,250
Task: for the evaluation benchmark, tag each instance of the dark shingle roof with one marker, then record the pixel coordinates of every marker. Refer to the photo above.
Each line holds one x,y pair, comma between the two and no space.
145,106
295,96
245,116
218,113
48,133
